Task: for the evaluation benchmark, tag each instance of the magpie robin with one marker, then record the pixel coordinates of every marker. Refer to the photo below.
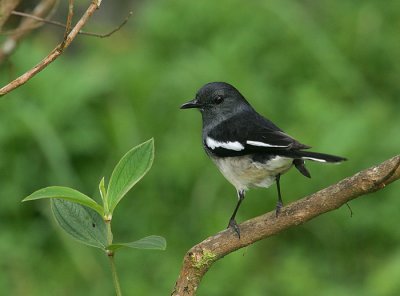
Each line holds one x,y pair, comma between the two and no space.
249,150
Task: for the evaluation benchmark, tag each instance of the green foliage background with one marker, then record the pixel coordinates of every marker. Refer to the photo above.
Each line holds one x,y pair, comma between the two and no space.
327,72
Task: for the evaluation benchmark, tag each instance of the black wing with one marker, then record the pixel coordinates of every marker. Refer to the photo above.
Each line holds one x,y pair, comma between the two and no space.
249,133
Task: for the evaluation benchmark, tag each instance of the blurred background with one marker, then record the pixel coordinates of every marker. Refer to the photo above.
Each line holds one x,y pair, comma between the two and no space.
326,72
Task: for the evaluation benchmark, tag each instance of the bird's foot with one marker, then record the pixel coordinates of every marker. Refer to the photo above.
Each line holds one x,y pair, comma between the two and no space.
232,224
279,206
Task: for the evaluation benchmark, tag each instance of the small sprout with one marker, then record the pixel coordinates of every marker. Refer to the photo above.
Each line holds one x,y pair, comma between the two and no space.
89,222
108,218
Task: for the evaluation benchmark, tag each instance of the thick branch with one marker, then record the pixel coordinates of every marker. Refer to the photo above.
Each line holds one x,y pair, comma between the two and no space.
55,53
199,259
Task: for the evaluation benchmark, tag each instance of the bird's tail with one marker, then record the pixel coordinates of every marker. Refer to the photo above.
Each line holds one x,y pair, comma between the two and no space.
320,157
314,156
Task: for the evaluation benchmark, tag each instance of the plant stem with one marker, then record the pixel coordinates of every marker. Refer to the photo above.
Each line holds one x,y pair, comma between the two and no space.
109,232
114,275
110,255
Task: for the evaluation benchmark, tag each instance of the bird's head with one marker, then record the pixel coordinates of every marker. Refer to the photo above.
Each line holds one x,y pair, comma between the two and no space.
218,101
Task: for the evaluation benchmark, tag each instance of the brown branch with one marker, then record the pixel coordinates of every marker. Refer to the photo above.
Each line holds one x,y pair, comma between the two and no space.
58,24
199,259
69,19
43,8
55,53
36,18
6,7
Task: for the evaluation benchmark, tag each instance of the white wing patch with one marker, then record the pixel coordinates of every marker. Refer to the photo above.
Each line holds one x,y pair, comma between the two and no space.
261,144
313,159
212,144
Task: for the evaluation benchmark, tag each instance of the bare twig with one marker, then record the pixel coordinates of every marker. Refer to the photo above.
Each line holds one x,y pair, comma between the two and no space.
55,53
61,25
36,18
69,19
199,259
112,31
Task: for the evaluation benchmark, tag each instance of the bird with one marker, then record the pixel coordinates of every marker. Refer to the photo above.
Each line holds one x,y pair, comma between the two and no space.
248,149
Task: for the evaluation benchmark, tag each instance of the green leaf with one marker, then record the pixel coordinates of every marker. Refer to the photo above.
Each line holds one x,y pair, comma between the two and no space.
152,242
82,223
67,194
129,170
103,192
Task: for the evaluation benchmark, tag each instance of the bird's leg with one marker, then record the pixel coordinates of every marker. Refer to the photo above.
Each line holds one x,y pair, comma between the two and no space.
279,204
232,221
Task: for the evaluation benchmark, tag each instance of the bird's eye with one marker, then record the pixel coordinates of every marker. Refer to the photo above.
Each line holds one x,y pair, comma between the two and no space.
218,99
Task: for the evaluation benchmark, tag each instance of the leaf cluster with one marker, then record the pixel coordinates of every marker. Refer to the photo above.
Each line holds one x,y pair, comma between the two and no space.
88,221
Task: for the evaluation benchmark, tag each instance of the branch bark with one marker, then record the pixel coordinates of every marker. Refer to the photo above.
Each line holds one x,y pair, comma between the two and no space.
6,7
55,53
200,258
43,9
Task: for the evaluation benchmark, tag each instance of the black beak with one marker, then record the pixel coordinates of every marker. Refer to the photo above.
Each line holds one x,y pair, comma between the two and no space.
191,104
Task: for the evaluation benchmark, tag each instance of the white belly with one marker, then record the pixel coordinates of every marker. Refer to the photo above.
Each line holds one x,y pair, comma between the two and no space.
243,172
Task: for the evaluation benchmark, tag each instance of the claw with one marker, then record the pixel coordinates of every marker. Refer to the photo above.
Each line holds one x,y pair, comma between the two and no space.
279,206
235,227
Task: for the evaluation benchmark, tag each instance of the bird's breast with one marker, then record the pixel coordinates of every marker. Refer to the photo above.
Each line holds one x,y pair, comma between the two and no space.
244,172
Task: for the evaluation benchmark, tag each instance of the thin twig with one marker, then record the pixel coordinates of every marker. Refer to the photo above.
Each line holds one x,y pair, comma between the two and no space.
112,31
69,19
55,53
34,17
199,259
61,25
